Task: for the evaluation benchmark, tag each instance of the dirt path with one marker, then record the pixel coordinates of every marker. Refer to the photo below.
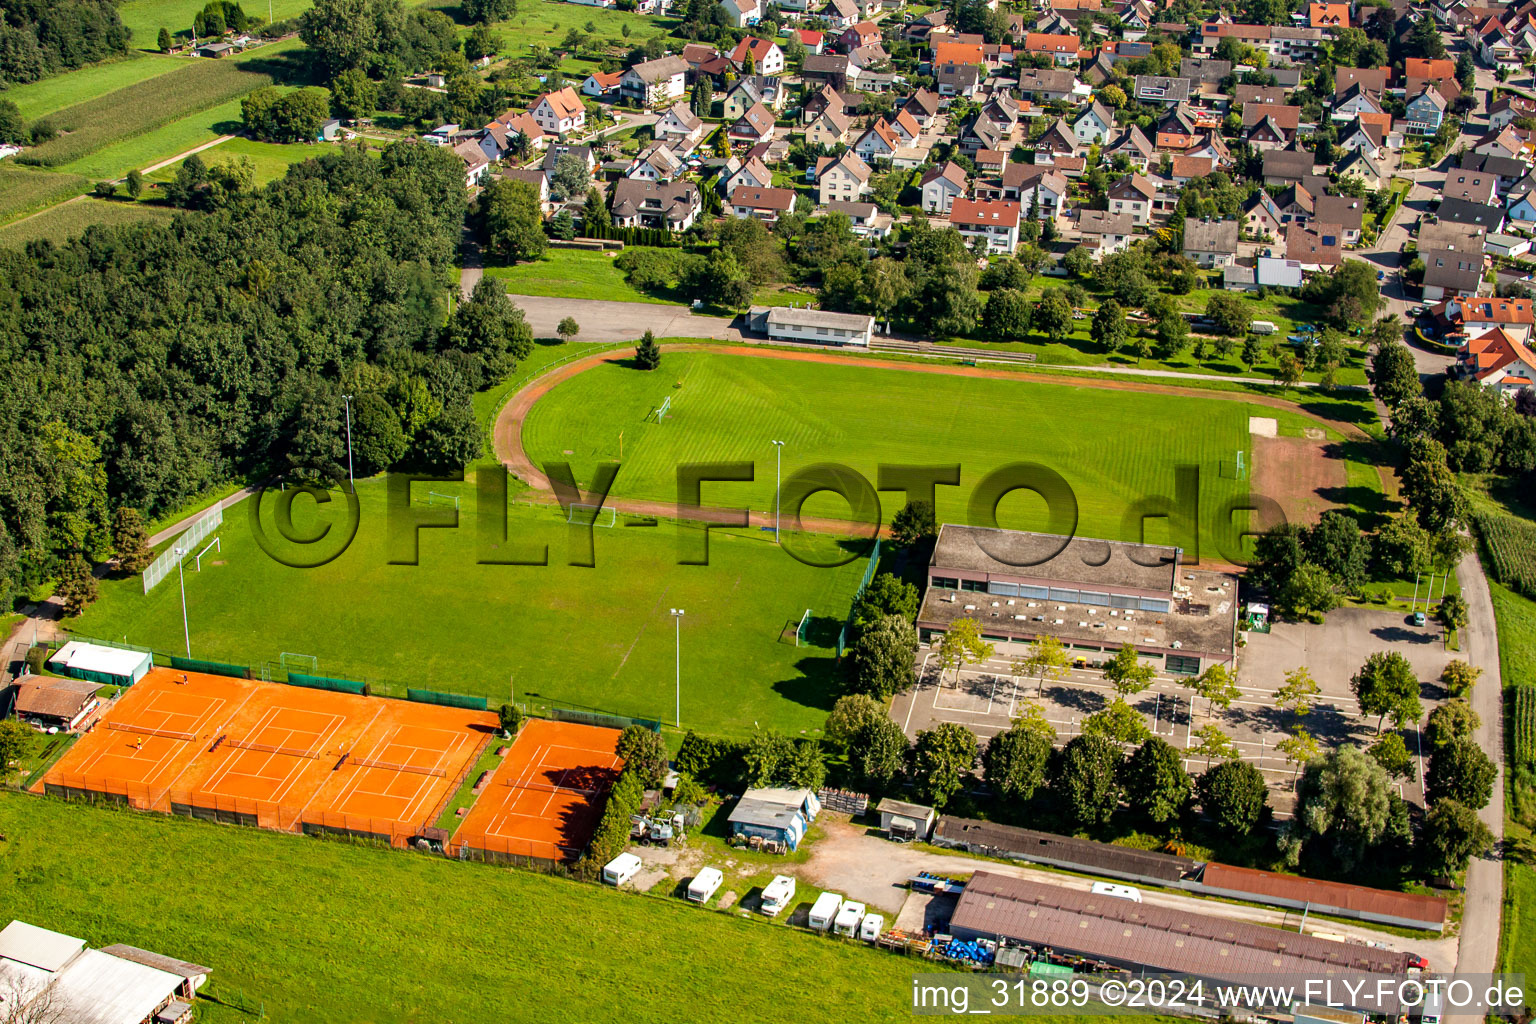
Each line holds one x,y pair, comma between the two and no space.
182,156
508,430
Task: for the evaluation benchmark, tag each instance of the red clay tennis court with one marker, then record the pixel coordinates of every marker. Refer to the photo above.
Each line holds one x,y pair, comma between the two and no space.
544,801
277,756
148,739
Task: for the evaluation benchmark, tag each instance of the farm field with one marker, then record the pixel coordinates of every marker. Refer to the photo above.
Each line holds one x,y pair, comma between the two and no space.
67,220
1517,663
271,159
599,637
141,151
23,190
343,933
731,406
136,109
38,99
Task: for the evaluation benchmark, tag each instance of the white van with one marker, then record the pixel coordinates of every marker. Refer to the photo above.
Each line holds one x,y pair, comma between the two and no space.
777,895
704,885
848,918
621,869
824,910
871,927
1119,892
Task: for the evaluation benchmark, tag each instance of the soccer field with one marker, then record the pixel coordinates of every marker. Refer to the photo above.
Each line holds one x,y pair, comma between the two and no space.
1114,449
600,637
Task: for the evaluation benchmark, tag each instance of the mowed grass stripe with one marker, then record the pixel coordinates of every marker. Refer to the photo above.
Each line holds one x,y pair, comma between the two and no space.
1114,448
142,107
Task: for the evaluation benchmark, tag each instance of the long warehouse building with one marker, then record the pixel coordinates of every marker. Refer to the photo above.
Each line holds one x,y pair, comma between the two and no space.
1139,935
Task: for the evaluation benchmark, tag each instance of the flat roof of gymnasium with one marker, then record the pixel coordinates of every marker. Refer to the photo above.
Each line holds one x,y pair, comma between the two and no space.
1202,624
1320,893
1160,938
95,658
1083,853
1082,560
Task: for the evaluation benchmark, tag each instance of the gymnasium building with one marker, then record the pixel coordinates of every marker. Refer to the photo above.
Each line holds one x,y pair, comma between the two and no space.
1094,596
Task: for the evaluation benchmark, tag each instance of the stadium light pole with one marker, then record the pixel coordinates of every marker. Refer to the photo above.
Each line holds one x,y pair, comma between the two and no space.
182,580
350,483
676,667
778,477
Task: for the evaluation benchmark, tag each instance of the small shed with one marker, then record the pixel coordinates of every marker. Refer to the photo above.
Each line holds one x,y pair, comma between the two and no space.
47,702
329,129
777,815
97,664
215,50
901,820
193,976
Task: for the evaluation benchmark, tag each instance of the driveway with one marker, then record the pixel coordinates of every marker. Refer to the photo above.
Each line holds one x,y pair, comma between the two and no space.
605,321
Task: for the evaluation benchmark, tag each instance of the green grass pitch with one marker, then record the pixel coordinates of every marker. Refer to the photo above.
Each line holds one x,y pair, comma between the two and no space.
1113,448
600,637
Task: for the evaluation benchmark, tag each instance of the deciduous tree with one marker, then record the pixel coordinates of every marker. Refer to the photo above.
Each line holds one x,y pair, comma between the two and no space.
942,760
1155,781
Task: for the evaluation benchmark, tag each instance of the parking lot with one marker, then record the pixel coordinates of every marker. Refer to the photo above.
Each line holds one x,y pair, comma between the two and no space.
986,697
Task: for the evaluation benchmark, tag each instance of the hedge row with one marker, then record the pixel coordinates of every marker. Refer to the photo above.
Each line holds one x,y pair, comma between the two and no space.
612,833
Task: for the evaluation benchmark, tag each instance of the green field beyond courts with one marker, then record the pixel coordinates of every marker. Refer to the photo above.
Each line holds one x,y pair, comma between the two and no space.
310,931
1114,449
600,637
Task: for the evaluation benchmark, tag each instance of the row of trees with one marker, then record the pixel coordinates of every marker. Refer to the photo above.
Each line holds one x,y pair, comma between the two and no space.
39,38
150,364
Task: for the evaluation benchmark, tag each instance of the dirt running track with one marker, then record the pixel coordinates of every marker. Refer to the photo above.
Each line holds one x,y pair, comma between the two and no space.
508,432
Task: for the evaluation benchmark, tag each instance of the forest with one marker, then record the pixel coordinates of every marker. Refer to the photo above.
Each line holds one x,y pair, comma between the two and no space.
141,366
39,38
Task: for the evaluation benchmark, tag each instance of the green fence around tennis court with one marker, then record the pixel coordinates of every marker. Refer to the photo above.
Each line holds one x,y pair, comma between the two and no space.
599,718
327,683
211,668
451,700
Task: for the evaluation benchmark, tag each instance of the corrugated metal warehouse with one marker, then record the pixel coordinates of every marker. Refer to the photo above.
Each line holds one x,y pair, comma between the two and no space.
1408,910
995,840
1139,935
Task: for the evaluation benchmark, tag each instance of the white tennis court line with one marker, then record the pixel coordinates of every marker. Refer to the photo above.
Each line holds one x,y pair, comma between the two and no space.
292,773
377,711
423,789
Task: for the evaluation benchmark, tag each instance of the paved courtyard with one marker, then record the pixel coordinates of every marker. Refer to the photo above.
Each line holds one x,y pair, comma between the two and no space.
986,697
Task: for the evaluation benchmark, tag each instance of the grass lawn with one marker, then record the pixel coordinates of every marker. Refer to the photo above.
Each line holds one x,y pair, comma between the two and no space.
23,190
597,637
1516,617
546,22
571,274
307,930
37,99
272,159
729,407
70,219
147,17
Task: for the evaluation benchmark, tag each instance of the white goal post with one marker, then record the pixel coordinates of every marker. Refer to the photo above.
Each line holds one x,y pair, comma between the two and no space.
591,515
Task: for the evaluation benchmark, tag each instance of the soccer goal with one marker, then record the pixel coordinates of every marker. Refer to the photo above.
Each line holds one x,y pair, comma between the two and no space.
805,620
303,663
446,500
660,412
591,515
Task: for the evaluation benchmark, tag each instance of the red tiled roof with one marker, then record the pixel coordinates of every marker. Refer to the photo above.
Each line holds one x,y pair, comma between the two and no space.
987,212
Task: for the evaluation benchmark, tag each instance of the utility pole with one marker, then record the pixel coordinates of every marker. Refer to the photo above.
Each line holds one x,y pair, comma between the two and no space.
778,476
350,482
182,580
677,661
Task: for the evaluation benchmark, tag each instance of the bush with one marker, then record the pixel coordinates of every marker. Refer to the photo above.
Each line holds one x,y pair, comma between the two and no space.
36,658
612,833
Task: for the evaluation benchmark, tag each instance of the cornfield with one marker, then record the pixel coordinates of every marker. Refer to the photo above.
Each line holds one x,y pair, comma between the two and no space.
1511,547
135,109
1523,733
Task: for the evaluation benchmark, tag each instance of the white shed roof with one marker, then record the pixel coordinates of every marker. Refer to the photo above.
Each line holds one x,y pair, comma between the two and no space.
38,947
95,658
21,981
98,988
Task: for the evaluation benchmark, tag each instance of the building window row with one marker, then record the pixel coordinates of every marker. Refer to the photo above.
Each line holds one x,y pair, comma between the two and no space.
1064,595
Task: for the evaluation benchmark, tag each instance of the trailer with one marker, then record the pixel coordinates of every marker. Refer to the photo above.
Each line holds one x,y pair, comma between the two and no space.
848,918
621,869
824,910
777,895
704,885
869,928
1262,327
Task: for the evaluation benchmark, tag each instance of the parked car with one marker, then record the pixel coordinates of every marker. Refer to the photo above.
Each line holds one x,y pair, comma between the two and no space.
1418,618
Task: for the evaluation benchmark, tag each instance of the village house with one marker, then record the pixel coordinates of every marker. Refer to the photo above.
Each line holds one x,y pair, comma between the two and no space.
767,58
941,186
1133,195
752,173
1094,124
655,82
843,178
830,129
995,222
1105,232
647,204
559,113
764,204
680,127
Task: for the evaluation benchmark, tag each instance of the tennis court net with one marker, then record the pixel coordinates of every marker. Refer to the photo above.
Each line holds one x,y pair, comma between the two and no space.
544,787
144,730
368,762
268,748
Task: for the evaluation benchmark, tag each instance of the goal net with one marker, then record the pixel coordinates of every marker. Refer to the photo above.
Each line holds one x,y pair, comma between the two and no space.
591,515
